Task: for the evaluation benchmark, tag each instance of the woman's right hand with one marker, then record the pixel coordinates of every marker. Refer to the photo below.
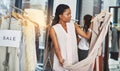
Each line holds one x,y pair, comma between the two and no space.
61,61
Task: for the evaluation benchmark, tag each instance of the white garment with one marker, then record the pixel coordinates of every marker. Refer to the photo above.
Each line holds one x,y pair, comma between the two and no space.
88,63
67,44
30,61
13,52
38,16
83,44
34,18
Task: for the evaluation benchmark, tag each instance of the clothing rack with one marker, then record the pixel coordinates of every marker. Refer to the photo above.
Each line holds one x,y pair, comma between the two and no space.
6,62
18,9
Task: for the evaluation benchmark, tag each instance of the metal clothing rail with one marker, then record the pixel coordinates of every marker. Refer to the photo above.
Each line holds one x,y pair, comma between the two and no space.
18,9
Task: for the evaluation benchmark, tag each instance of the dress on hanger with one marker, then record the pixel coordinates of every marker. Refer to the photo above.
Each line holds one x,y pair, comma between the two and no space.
29,47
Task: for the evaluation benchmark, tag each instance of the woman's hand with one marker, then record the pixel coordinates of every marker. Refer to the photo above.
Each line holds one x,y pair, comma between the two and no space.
61,61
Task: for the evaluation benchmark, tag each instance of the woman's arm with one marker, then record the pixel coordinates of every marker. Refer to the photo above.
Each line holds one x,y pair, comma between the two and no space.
56,46
78,39
82,33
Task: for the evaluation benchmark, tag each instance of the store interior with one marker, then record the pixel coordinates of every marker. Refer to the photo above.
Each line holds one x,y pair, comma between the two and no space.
32,18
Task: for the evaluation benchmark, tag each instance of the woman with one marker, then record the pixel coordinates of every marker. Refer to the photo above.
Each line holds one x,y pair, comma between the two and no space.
84,43
63,36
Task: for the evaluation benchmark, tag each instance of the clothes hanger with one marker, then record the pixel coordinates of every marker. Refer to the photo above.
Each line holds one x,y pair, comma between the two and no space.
22,11
14,14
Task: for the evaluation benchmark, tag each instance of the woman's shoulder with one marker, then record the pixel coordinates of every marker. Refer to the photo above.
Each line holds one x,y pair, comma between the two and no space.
56,25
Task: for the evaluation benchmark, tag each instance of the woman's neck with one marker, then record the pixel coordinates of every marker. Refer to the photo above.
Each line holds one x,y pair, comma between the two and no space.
62,23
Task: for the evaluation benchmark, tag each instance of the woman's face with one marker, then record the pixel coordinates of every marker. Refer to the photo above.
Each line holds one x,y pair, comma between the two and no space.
66,16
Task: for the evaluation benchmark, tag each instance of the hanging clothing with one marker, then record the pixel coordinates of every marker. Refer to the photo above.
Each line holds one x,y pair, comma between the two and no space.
48,52
88,63
13,52
68,45
38,17
30,61
29,24
22,52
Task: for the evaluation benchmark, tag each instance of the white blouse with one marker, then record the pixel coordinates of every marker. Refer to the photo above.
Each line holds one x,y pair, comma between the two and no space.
83,44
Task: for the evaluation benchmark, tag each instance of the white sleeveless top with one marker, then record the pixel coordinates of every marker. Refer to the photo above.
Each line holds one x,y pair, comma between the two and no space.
67,44
83,44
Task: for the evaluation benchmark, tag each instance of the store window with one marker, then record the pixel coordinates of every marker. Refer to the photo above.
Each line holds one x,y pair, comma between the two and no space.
114,38
4,7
